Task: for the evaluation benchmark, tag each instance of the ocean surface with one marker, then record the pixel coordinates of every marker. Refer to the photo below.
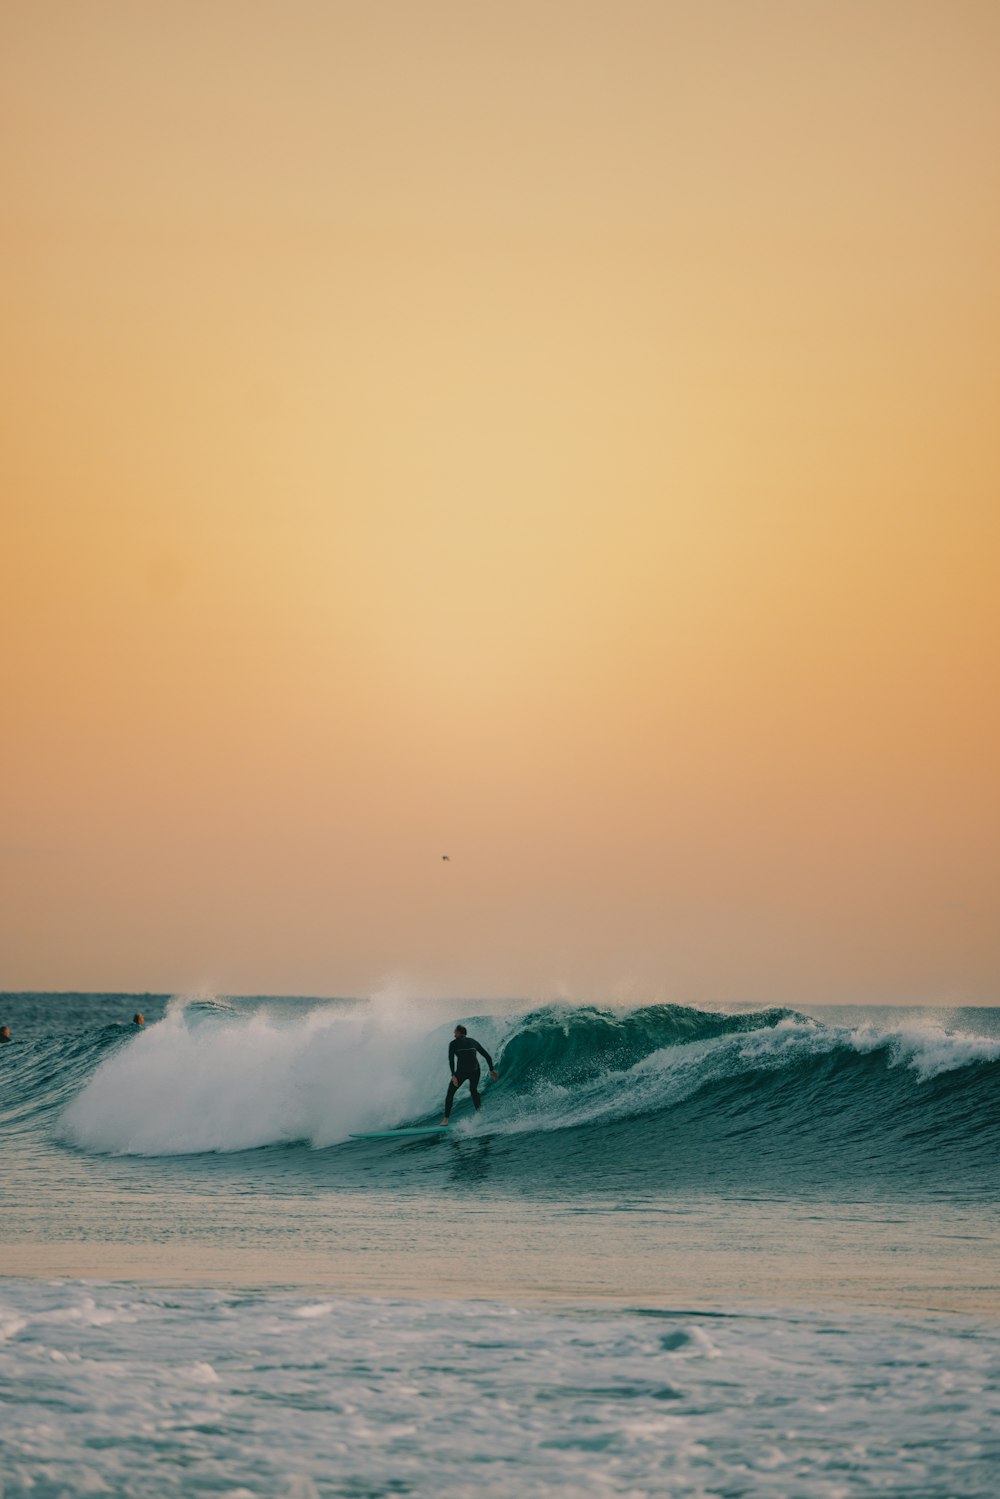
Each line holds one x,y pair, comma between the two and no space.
679,1251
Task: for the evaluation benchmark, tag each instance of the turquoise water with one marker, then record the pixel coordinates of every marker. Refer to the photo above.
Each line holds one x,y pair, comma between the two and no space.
678,1252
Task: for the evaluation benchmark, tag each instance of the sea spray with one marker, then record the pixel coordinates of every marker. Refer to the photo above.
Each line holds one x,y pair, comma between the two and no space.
208,1077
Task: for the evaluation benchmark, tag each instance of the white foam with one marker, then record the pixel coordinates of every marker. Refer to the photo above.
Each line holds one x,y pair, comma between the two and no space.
925,1047
213,1078
386,1397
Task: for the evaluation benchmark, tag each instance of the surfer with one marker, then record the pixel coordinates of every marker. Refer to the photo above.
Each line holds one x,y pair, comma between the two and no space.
464,1068
4,1034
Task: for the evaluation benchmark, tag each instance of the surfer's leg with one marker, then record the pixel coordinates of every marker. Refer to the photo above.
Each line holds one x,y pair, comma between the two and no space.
450,1099
474,1090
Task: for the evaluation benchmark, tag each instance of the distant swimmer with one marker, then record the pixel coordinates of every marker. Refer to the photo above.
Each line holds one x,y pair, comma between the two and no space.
464,1067
4,1034
138,1018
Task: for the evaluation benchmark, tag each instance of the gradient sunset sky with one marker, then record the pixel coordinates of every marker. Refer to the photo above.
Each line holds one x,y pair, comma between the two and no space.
562,436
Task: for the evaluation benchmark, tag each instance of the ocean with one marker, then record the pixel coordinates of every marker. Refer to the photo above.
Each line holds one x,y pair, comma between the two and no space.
682,1252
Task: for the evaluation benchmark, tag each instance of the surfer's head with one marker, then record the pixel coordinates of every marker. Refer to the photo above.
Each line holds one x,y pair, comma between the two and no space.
138,1018
460,1030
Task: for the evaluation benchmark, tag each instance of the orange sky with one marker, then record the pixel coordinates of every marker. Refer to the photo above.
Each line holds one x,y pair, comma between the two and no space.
559,435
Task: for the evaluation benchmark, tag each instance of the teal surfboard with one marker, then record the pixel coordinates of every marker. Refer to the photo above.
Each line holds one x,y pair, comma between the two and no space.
395,1134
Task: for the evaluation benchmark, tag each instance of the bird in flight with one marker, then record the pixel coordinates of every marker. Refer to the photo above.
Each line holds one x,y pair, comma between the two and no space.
446,859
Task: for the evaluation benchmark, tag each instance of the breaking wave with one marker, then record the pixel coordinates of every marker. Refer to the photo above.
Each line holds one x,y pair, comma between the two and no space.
597,1095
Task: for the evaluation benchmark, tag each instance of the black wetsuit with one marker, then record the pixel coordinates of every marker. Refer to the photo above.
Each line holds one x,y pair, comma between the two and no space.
463,1064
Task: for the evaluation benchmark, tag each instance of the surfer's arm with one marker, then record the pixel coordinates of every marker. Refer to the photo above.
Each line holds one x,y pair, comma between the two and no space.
489,1060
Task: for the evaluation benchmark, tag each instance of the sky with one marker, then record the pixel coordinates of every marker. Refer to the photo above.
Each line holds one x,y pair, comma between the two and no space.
561,436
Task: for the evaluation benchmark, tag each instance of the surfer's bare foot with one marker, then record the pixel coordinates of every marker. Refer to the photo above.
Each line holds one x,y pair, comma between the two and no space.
444,1122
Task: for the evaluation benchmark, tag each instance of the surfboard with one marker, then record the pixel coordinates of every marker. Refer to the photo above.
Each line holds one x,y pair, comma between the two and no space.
394,1134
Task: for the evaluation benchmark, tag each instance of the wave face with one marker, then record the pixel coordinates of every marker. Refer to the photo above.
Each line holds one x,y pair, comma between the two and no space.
769,1097
588,1097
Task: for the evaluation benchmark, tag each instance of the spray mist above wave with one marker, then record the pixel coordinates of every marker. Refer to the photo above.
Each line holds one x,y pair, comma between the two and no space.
212,1077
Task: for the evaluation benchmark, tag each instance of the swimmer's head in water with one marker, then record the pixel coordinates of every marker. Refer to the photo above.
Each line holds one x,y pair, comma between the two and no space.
138,1018
4,1032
